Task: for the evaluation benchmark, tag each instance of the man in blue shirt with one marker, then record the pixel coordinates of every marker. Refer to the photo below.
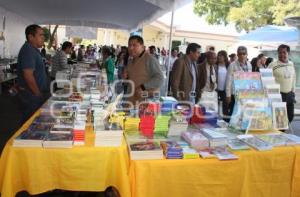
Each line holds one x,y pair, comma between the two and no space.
32,78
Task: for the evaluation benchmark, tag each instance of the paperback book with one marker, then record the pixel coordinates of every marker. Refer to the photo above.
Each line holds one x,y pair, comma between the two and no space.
255,142
280,120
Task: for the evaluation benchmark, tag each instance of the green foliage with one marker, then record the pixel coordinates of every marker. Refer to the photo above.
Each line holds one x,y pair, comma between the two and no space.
77,40
46,34
246,14
252,14
285,8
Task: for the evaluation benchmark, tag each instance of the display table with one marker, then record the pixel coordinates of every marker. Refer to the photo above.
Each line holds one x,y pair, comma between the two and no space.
86,168
260,174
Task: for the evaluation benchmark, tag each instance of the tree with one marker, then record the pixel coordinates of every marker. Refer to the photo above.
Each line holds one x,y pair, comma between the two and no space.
285,8
46,34
52,36
215,11
77,40
246,14
252,14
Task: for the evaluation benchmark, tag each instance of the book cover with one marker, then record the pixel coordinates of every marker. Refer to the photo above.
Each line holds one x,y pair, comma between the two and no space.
144,146
255,142
280,119
61,130
224,154
266,72
32,135
237,144
274,139
59,137
274,97
272,88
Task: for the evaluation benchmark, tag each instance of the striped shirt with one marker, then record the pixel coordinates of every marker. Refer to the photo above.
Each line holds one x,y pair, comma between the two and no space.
59,62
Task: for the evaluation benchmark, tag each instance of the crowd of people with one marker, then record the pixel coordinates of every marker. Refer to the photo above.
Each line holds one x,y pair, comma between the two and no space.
190,75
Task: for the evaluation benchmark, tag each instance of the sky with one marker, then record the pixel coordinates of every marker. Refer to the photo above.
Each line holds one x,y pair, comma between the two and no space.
186,19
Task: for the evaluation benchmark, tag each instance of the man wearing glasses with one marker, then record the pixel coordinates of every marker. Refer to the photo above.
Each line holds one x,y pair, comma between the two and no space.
241,64
32,79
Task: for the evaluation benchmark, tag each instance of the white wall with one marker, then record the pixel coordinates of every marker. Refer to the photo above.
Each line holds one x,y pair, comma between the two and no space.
14,32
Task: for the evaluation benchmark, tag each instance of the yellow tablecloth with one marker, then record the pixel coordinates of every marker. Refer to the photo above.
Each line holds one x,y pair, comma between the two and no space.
86,168
274,173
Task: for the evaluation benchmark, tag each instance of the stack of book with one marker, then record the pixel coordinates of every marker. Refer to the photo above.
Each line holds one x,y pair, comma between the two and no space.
178,124
62,129
172,150
33,136
198,115
79,133
147,125
81,115
162,125
45,119
216,139
195,138
167,104
111,138
58,140
131,125
145,150
190,153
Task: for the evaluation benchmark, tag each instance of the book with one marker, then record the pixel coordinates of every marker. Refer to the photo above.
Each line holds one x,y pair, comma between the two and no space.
266,72
195,138
246,81
29,138
207,153
267,80
224,154
190,153
272,88
280,119
255,142
295,139
61,130
237,144
275,97
44,119
36,127
216,139
171,149
109,138
275,139
257,115
58,140
145,150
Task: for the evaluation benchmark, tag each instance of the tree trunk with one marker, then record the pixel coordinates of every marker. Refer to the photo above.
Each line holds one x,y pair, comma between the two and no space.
52,36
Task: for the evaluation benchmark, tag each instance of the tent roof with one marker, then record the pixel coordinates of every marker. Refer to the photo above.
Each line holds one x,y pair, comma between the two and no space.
120,14
272,33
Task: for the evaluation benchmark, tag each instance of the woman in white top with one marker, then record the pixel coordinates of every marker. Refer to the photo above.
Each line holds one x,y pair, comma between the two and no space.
221,72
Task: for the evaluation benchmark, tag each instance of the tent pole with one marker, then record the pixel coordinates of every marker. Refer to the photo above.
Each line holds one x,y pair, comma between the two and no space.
169,55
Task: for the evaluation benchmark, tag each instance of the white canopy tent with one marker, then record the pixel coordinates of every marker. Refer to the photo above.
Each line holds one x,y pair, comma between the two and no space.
119,14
